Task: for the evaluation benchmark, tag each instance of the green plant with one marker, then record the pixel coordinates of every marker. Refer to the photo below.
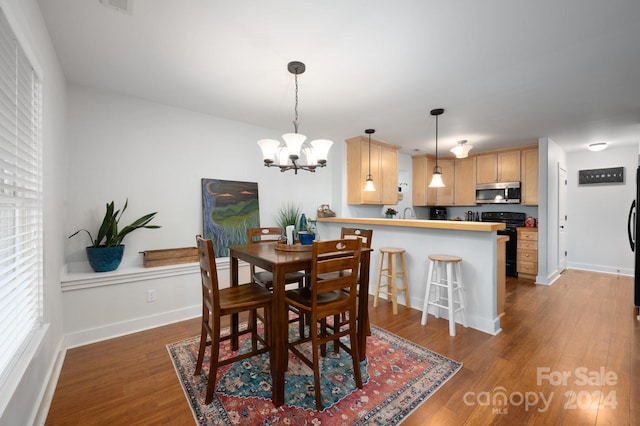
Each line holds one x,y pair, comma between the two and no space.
109,229
391,212
289,214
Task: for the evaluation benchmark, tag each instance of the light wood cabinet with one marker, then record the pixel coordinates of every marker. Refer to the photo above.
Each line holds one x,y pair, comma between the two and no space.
422,169
465,182
501,166
384,170
529,174
459,177
527,251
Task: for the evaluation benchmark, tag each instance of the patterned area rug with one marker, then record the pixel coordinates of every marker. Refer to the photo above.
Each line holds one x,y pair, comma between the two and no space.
398,376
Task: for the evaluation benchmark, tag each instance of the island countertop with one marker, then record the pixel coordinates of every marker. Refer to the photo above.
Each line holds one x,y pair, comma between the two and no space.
456,225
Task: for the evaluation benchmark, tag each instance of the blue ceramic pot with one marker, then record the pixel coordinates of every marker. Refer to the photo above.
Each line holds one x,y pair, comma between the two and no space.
306,238
105,259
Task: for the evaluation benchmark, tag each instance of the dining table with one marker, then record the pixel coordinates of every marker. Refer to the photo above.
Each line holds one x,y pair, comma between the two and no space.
279,263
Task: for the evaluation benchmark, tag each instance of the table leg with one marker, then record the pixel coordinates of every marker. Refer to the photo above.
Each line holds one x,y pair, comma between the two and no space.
364,328
280,333
235,321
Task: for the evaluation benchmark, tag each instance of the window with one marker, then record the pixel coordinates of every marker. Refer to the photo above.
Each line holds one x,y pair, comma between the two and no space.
20,200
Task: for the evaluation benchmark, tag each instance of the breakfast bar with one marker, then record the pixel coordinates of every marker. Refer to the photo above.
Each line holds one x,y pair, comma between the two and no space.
477,243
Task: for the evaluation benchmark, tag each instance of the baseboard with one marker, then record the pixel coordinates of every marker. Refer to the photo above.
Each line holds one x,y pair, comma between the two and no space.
601,268
109,331
50,386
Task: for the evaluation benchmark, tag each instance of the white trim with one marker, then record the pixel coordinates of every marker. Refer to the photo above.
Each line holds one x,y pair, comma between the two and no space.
49,386
71,281
109,331
601,268
15,375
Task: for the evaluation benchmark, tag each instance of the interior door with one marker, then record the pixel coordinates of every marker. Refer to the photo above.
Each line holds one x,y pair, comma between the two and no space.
562,219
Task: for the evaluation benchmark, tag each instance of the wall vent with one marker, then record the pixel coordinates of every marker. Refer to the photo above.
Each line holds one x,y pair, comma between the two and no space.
125,6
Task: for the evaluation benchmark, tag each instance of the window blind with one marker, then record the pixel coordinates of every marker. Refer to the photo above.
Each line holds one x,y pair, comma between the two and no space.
20,199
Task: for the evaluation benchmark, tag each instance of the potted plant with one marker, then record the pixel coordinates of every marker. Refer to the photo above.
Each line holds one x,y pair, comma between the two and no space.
390,213
106,249
289,214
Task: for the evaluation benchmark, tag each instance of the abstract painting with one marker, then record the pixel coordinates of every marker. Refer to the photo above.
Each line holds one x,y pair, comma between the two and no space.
228,209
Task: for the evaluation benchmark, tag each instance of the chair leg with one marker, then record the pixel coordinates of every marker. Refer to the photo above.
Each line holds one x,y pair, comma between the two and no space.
427,294
213,362
316,365
378,283
452,318
393,271
355,352
203,346
405,281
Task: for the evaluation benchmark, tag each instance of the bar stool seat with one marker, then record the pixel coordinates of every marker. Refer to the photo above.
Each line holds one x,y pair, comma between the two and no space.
443,275
391,274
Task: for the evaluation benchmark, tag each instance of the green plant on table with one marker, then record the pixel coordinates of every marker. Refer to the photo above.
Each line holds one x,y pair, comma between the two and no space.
391,212
289,214
109,235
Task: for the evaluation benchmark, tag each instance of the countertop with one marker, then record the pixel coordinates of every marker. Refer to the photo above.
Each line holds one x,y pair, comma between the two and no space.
455,225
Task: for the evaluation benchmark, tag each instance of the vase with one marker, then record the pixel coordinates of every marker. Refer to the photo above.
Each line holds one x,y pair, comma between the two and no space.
306,238
389,216
105,259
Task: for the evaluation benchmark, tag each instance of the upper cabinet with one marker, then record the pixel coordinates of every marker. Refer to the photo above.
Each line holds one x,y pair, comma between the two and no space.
384,170
422,195
465,182
503,166
461,175
529,173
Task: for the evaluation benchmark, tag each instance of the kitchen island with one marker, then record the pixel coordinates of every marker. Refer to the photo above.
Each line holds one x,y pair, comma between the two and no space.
476,242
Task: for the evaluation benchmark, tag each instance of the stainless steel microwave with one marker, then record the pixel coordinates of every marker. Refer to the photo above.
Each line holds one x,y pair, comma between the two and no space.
498,193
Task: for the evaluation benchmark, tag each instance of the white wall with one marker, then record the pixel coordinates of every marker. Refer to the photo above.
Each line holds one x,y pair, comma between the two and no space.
597,224
551,158
27,401
156,155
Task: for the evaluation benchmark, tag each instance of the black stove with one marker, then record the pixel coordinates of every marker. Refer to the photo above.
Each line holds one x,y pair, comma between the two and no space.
513,220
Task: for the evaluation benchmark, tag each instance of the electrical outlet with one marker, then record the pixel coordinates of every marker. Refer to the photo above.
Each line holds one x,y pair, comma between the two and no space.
151,295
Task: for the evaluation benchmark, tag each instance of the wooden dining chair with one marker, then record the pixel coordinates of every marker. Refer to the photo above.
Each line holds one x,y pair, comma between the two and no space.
364,235
263,235
265,278
332,291
217,303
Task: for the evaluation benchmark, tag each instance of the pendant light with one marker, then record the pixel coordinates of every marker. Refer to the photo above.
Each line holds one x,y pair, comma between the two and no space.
369,187
436,180
462,149
287,157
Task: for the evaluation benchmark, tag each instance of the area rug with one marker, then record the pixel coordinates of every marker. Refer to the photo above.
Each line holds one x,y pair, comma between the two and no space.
398,376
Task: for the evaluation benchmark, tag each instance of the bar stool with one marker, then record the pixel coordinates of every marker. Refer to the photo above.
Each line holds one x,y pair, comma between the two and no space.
391,273
449,278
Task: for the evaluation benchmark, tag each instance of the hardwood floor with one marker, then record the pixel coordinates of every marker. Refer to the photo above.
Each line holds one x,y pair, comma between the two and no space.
580,326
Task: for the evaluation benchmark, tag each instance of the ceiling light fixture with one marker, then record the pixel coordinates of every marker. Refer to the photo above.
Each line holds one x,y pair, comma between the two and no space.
436,180
462,149
597,146
287,156
369,187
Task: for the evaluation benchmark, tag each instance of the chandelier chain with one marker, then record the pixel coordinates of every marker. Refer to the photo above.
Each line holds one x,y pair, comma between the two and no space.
295,122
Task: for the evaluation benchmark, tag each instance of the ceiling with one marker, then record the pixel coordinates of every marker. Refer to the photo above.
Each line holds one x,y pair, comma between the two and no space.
505,72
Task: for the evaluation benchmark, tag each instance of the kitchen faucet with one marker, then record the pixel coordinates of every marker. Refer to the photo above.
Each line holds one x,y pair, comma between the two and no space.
404,212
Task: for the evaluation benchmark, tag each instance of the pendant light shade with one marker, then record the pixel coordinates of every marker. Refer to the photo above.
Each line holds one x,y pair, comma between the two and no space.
436,180
288,156
462,149
369,187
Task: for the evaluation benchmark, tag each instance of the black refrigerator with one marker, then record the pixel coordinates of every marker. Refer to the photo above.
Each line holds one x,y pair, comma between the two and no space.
633,226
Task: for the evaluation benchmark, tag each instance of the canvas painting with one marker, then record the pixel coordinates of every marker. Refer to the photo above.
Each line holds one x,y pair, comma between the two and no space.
228,209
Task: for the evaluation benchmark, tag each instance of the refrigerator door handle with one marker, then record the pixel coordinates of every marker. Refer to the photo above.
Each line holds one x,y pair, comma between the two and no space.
630,224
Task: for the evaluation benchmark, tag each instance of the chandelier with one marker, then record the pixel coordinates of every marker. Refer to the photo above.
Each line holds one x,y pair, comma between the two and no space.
288,156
